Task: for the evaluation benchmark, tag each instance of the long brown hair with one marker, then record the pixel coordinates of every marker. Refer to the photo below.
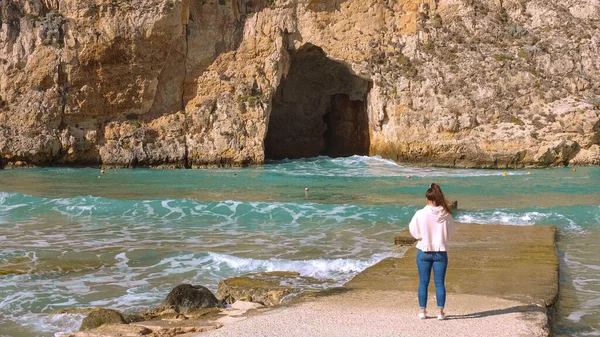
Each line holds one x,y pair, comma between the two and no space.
435,194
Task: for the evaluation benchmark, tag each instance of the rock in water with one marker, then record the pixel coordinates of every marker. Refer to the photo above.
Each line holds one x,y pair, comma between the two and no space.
99,316
186,297
265,288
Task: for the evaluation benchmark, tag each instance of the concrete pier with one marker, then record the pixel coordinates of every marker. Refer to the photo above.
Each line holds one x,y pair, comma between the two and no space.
511,262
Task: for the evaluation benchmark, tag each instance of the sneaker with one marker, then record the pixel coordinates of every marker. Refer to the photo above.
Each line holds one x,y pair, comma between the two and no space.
422,315
441,317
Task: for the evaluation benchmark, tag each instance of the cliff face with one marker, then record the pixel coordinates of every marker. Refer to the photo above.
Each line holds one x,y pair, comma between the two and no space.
193,83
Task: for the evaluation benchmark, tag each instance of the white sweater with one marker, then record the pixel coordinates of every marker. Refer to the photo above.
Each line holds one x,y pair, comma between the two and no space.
433,227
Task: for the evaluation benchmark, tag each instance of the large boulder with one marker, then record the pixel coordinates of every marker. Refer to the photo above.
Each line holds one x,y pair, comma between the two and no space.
99,316
186,297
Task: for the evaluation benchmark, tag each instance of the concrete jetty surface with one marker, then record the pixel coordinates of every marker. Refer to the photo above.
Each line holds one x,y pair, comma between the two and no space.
511,262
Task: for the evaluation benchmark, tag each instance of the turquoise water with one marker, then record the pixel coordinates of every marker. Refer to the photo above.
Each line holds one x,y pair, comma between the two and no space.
123,239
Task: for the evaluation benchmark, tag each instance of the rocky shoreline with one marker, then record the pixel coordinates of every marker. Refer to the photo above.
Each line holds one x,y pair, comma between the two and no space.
193,309
514,264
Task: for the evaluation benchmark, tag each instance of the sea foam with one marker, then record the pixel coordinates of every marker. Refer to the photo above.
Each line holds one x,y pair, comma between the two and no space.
337,269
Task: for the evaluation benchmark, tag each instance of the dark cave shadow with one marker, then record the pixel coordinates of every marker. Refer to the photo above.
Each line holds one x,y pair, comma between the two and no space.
524,309
319,108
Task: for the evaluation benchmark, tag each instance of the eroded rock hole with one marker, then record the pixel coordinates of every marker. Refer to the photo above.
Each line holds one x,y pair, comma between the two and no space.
320,108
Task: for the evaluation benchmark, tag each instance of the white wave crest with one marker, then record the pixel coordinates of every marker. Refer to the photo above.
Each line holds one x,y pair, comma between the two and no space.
364,166
318,268
503,217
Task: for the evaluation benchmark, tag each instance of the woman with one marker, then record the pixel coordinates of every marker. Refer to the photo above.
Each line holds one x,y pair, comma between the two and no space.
432,226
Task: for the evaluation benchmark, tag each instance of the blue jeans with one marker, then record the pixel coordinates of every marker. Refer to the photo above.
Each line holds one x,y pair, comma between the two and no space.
438,261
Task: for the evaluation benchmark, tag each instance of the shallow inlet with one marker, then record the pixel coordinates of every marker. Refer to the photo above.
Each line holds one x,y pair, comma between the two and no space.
320,108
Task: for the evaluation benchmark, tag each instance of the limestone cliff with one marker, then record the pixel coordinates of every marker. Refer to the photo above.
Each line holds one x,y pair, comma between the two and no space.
194,83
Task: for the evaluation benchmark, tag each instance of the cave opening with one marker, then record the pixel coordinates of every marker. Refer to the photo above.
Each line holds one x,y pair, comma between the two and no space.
320,108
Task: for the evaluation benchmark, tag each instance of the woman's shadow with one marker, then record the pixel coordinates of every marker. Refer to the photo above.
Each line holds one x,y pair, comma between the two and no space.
523,309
